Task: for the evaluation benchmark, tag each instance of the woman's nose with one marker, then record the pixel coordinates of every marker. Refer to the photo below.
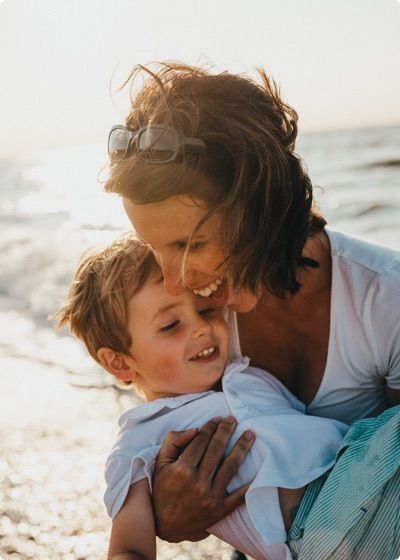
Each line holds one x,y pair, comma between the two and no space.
172,273
173,285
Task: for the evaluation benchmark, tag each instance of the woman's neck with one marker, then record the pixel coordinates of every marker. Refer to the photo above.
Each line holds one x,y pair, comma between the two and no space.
312,281
288,336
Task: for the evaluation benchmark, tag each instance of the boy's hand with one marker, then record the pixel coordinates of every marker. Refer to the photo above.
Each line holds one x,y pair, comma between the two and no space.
189,486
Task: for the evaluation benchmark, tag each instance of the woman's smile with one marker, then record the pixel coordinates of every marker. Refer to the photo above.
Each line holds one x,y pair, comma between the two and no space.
198,269
208,290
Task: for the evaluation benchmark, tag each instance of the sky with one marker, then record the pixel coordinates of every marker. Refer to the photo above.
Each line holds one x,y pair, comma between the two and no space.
337,62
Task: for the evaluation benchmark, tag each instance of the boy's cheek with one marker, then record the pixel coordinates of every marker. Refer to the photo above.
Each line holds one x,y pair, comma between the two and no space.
224,328
168,366
223,335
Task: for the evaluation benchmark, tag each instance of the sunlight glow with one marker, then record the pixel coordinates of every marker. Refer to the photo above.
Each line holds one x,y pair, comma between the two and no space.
320,59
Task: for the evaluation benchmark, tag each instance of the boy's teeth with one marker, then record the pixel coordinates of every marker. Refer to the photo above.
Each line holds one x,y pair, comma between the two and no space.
205,352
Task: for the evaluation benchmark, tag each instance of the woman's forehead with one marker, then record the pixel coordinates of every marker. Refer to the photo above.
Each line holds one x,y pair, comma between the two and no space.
173,219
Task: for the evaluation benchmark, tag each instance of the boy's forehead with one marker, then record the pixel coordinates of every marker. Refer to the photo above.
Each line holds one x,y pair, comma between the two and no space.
154,300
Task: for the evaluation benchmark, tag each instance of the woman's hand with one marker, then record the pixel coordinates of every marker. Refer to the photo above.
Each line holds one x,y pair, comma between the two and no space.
190,480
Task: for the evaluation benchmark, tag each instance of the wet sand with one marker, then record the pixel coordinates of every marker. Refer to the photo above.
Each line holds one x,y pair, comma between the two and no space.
54,441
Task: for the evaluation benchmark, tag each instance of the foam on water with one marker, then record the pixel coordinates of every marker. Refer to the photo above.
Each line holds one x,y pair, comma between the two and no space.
51,210
54,208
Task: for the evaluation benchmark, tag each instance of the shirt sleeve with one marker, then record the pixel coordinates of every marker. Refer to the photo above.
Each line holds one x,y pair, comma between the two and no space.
386,324
122,471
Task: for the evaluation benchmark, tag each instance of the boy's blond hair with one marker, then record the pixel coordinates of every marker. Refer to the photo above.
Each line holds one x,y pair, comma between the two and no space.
96,308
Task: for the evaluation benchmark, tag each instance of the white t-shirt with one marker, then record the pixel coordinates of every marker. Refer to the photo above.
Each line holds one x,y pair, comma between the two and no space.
290,450
364,338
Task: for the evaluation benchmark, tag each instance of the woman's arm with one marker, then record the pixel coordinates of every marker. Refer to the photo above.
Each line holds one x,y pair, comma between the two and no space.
190,480
133,534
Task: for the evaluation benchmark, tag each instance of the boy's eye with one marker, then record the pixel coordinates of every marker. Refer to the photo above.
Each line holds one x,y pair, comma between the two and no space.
170,326
207,311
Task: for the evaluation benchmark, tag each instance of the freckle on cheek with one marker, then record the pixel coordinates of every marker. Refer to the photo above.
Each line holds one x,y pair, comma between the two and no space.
168,368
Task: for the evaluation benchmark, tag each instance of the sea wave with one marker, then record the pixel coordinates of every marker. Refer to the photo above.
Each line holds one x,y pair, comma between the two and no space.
385,163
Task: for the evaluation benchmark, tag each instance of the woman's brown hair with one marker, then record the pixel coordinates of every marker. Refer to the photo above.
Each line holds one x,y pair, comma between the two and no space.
254,179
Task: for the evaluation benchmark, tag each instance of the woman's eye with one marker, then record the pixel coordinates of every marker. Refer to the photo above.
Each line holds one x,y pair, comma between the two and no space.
170,326
183,245
196,246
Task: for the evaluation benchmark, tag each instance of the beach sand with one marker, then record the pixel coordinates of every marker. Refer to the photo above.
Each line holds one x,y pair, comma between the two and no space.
54,441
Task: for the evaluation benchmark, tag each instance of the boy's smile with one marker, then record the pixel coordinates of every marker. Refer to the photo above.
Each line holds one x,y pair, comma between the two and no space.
179,342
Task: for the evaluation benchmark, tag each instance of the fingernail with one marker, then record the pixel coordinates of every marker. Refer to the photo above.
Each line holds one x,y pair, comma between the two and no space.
230,419
216,420
249,435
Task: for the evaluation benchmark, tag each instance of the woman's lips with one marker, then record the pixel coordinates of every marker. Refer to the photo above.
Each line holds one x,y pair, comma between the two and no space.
221,296
215,292
208,290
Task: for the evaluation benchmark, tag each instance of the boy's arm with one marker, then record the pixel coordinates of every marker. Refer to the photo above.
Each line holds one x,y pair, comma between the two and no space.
133,534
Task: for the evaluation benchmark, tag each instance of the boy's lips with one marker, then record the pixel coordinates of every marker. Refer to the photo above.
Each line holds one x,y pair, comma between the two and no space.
207,354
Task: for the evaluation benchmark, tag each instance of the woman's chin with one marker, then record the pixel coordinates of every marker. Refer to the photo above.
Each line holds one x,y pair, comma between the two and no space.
245,305
241,301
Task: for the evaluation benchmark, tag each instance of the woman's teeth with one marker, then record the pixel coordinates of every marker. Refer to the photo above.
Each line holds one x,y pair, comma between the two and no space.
205,352
210,289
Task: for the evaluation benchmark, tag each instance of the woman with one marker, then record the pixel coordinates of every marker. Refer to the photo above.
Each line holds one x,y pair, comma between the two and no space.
209,179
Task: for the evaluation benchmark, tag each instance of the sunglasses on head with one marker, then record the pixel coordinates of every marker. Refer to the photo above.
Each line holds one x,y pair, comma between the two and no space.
155,143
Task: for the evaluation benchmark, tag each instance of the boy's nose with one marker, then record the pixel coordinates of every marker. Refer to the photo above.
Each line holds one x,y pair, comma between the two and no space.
202,328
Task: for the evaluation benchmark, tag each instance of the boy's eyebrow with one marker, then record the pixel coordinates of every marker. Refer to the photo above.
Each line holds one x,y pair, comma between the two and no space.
164,309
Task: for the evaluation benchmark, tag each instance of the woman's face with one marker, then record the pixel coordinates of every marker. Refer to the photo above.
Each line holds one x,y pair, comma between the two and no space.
167,226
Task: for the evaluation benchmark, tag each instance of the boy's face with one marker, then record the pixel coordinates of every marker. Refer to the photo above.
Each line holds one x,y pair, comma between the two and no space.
179,342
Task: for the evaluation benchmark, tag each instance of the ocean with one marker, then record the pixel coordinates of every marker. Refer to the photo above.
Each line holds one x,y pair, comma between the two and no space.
53,208
55,433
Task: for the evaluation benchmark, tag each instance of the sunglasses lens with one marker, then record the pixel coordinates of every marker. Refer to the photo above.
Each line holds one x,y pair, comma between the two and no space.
118,142
154,143
158,144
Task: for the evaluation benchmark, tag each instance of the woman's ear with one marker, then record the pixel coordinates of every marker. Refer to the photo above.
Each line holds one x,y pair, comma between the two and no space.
119,365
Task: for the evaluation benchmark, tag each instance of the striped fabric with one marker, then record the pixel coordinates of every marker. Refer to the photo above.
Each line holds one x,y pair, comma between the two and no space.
295,535
355,513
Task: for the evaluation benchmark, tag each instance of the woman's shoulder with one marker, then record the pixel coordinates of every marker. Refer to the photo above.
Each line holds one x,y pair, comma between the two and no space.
364,255
366,288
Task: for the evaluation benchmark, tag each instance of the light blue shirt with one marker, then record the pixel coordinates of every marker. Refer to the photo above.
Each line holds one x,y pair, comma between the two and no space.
290,450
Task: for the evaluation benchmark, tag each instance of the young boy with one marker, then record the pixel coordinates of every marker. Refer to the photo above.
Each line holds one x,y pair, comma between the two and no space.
174,349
